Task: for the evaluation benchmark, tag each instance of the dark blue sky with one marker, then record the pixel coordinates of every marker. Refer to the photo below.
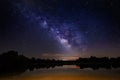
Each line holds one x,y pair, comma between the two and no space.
60,27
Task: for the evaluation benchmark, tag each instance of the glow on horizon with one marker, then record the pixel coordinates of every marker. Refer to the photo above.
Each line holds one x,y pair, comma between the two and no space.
69,58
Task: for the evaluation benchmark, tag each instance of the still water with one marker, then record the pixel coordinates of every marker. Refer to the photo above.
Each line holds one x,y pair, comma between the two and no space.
70,72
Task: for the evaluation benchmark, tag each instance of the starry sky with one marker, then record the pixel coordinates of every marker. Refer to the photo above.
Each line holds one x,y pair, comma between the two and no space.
60,28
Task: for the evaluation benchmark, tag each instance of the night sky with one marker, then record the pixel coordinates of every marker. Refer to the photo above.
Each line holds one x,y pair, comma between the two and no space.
60,28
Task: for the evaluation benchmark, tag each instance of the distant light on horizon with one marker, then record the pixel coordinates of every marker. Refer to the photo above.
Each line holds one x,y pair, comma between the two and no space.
69,58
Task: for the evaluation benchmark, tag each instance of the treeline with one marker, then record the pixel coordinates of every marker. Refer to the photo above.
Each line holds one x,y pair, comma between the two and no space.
10,61
96,63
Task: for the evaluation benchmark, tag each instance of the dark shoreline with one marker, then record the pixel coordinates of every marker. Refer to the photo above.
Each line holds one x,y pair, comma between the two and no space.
11,62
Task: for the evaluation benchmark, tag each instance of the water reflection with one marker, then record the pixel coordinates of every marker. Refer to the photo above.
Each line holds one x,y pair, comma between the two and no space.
16,71
66,72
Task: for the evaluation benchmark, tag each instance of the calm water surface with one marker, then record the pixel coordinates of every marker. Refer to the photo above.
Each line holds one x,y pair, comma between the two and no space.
65,73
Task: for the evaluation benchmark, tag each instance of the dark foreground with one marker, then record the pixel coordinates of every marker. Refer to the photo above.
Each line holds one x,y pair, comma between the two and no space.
11,62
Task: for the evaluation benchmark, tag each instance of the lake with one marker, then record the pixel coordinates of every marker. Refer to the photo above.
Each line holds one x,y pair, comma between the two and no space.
66,72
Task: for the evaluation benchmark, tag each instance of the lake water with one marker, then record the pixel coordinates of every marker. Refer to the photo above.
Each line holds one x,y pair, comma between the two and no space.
66,72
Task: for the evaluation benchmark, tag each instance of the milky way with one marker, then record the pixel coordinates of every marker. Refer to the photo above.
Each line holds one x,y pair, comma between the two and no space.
65,33
60,27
